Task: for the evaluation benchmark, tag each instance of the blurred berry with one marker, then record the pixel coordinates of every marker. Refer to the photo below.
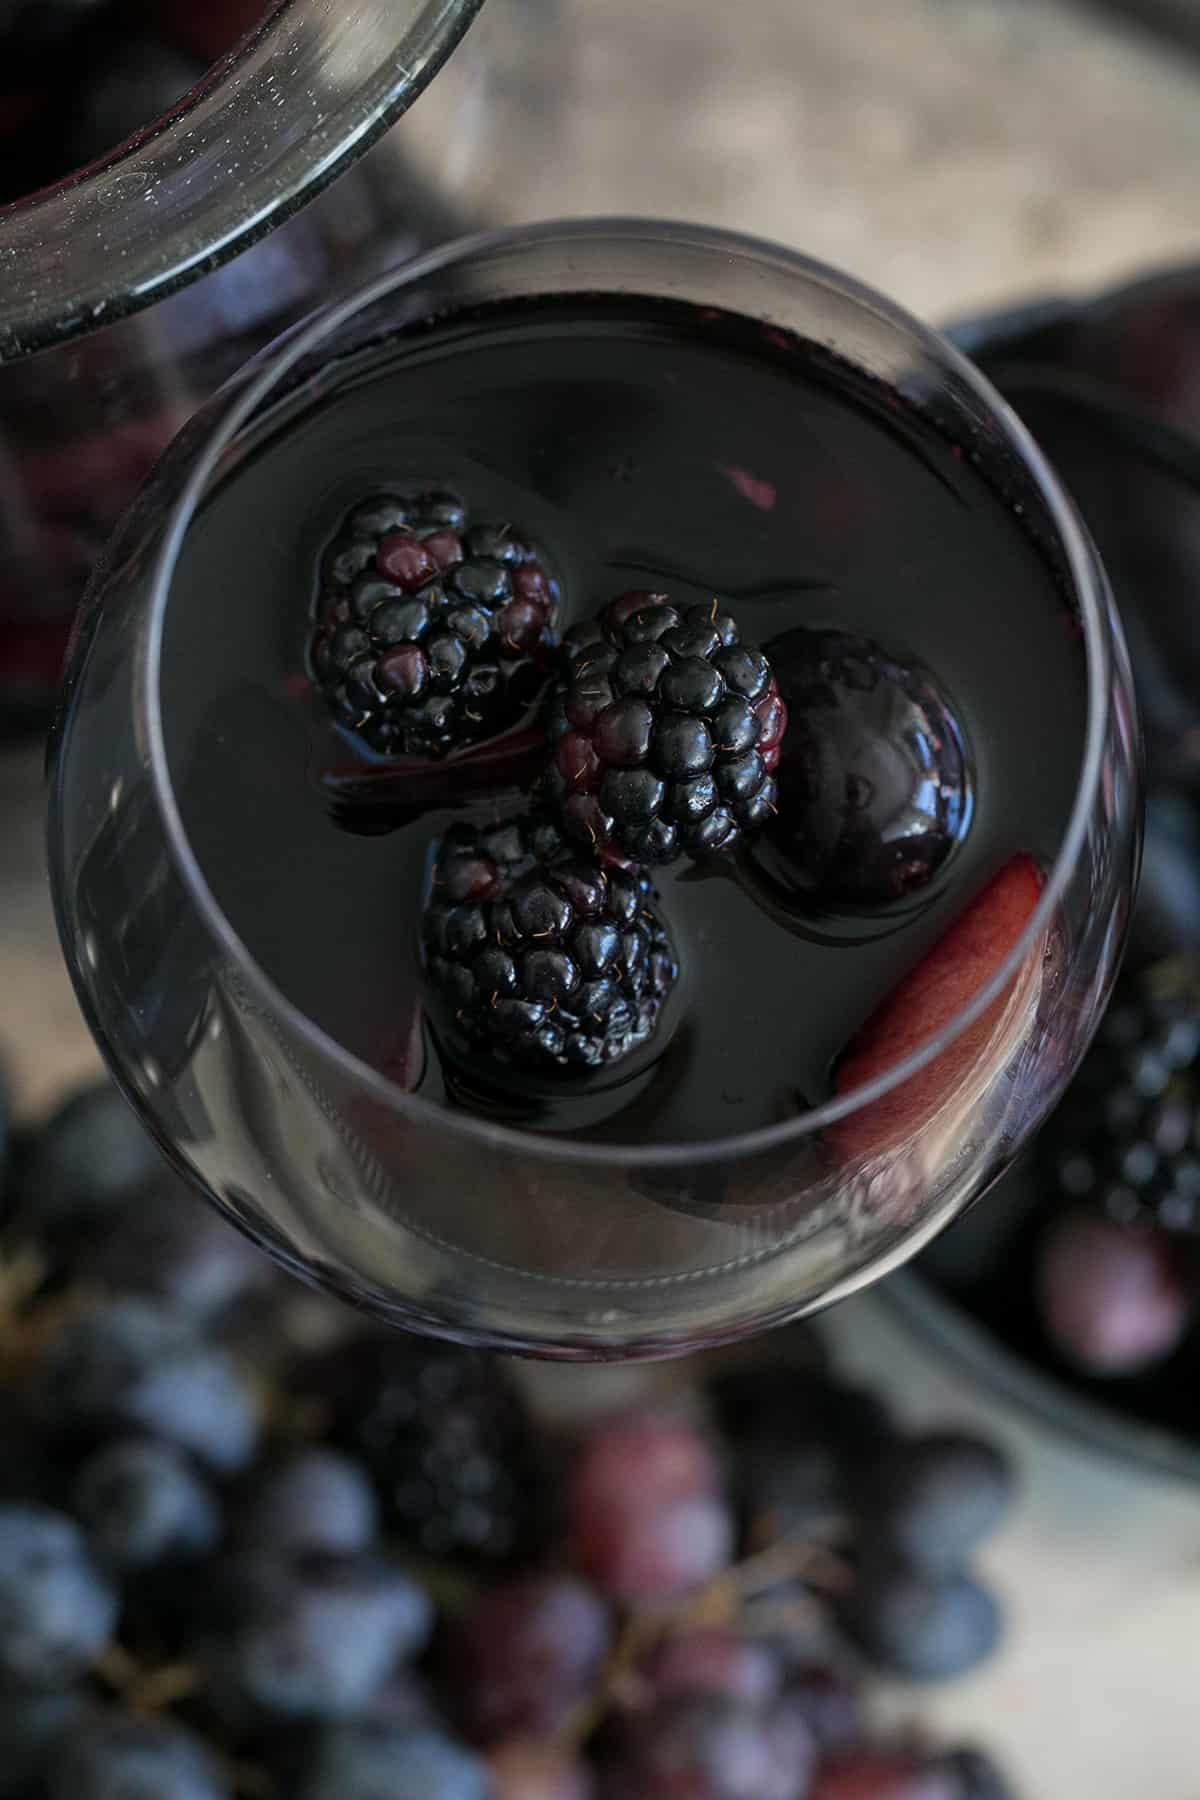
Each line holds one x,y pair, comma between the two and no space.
882,1775
318,1502
142,1503
89,1158
713,1661
829,1703
933,1499
357,1763
704,1747
316,1639
797,1439
1111,1300
977,1776
919,1626
131,1365
446,1438
646,1515
525,1653
57,1610
33,1729
525,1769
173,1246
125,1758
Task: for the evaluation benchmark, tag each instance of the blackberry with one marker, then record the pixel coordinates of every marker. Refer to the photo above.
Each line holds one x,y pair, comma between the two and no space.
1126,1140
429,633
445,1438
666,731
543,955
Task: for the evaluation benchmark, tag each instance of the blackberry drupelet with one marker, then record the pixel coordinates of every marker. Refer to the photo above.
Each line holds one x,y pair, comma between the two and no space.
1126,1140
666,730
446,1439
543,955
430,632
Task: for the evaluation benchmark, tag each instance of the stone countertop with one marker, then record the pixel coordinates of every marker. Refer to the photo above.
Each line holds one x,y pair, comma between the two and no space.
957,154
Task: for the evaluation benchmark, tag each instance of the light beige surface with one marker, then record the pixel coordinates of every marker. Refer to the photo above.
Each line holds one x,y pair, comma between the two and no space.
952,152
956,153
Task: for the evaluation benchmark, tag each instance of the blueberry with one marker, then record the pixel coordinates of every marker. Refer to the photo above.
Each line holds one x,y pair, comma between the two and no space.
361,1763
57,1610
933,1499
33,1729
131,1365
313,1639
318,1502
126,1758
683,747
91,1156
142,1503
917,1625
173,1246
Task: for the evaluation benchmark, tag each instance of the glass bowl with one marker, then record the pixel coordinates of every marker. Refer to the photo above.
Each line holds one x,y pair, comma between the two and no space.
93,385
445,1221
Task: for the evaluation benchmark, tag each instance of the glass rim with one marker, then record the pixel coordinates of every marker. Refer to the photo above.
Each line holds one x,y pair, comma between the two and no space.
228,214
273,364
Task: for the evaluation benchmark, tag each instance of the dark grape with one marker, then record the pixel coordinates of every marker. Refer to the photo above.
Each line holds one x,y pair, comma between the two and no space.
526,1769
356,1762
317,1502
91,1157
829,1703
882,1775
706,1747
646,1514
713,1661
1111,1300
130,1365
126,1758
142,1503
917,1625
33,1729
315,1639
525,1653
57,1609
933,1499
171,1245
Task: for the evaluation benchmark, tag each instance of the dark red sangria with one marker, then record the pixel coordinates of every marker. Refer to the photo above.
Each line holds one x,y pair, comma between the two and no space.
634,723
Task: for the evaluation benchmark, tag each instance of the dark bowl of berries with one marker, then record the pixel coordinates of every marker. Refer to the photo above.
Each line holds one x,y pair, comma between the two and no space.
1075,1284
612,808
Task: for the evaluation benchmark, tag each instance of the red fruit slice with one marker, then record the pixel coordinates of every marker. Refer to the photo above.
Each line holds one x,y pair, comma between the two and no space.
928,998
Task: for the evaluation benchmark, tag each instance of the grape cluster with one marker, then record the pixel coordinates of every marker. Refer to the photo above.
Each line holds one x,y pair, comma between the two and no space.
234,1564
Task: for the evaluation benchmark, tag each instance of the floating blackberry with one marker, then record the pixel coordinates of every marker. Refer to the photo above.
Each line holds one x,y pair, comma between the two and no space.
666,730
541,954
429,633
1127,1138
445,1437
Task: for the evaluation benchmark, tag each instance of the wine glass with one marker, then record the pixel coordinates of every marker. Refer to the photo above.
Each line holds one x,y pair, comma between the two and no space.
439,1218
